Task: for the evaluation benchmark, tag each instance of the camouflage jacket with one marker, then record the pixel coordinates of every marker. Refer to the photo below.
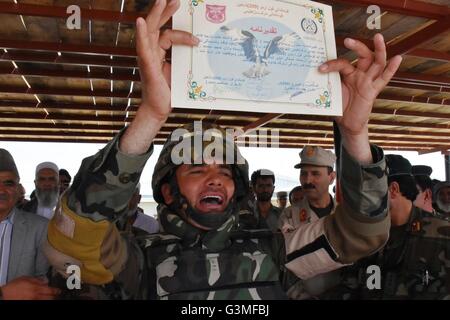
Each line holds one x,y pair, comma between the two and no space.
414,264
83,232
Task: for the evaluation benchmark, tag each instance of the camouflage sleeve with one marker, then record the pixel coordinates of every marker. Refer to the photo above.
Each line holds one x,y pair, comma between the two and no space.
83,229
105,182
358,227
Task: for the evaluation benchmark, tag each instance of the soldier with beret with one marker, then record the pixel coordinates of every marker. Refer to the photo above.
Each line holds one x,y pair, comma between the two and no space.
415,262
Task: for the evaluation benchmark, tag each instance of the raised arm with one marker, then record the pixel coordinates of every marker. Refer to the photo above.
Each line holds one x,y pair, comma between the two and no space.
151,47
83,230
360,225
361,84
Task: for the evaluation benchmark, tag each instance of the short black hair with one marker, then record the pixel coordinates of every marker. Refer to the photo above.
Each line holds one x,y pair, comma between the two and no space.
64,172
297,188
424,182
263,174
407,185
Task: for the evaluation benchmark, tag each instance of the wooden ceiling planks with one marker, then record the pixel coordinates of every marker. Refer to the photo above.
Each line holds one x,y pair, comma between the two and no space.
91,104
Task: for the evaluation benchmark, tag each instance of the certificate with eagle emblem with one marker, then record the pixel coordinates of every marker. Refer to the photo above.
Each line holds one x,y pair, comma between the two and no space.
260,56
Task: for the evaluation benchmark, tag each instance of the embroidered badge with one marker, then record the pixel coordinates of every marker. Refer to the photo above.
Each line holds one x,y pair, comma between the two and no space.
303,215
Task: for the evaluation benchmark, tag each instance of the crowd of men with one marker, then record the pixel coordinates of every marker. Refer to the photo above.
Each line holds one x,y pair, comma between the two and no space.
219,236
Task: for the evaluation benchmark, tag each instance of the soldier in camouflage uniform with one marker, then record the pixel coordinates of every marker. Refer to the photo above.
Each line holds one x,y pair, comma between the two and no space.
441,200
415,263
201,255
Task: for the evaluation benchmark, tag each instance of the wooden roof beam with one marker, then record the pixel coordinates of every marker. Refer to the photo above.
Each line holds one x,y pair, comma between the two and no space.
66,47
415,52
61,12
118,75
223,122
165,132
136,95
404,7
162,137
322,131
70,59
122,75
419,38
52,105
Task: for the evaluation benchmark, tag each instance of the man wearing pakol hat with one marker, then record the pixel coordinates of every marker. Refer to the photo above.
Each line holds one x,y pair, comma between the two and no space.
316,175
21,236
47,190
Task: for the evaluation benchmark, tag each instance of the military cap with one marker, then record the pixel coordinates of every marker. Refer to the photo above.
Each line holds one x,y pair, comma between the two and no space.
282,194
421,170
316,156
398,165
7,162
47,165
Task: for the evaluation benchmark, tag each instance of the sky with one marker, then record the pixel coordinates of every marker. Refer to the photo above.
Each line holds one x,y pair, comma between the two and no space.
281,161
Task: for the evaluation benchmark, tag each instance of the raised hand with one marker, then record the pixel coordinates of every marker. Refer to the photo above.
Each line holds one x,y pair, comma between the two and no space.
151,47
360,87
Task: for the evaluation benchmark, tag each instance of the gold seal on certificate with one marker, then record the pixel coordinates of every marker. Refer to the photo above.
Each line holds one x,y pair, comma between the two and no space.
260,56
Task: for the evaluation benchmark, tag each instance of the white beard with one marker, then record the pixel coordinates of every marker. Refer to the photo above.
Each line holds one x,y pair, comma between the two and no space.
47,198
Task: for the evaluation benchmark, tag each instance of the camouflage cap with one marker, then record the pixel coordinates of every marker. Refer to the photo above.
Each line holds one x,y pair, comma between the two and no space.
316,156
398,165
7,162
421,170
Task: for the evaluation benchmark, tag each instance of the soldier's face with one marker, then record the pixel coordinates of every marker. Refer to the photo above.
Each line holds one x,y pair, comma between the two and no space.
297,196
444,199
208,188
9,192
282,202
315,181
64,183
264,189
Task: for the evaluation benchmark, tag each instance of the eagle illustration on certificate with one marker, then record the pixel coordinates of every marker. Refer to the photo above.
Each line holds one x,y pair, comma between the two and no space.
260,56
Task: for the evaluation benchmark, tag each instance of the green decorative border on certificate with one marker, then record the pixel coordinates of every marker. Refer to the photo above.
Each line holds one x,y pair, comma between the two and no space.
318,14
196,91
324,99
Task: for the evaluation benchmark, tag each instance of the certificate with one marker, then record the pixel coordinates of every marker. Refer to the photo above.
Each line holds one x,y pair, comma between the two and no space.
260,56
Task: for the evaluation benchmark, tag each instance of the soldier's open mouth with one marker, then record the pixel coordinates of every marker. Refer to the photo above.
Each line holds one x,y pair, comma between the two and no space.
215,200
